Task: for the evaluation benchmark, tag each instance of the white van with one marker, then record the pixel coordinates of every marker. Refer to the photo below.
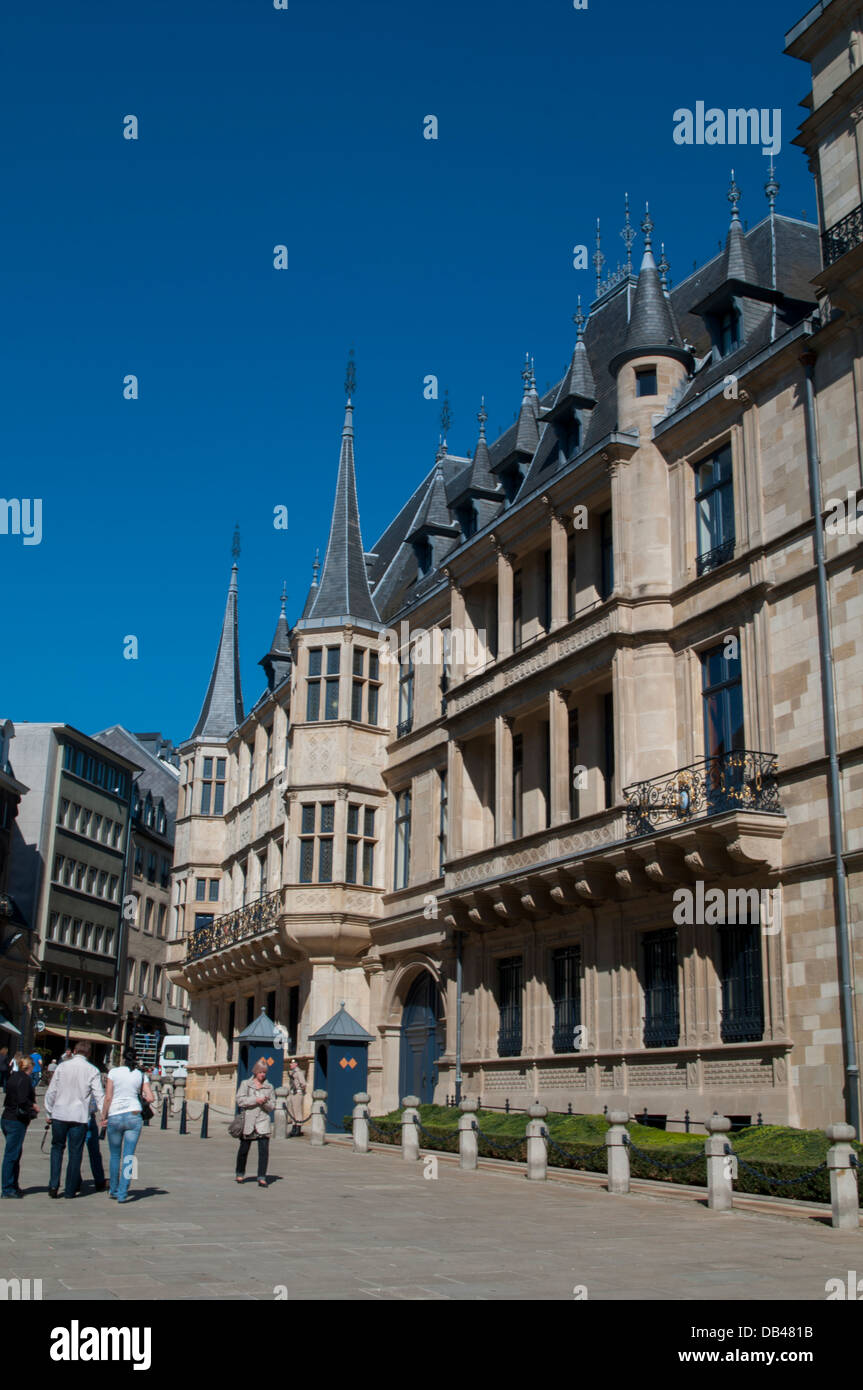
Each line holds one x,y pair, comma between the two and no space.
174,1055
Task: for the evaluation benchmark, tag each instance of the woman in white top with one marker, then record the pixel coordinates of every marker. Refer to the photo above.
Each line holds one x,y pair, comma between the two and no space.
122,1112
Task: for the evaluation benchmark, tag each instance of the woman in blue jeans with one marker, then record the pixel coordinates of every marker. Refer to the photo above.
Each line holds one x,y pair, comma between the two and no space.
20,1108
122,1114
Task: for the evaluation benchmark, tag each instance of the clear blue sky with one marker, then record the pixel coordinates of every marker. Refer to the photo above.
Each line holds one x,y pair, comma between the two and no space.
452,257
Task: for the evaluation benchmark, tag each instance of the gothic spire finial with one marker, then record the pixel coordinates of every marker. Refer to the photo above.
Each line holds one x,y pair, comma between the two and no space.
235,543
578,320
445,418
316,567
350,377
482,416
734,198
771,187
647,227
598,258
663,266
284,597
628,235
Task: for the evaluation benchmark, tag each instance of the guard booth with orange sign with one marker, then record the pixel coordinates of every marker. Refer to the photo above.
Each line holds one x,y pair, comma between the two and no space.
259,1041
341,1065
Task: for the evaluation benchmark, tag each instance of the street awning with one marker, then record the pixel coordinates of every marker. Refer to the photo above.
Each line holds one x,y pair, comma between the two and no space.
10,1027
79,1034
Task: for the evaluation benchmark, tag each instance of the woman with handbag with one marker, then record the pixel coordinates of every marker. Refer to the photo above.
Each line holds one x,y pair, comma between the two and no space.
125,1090
20,1108
257,1101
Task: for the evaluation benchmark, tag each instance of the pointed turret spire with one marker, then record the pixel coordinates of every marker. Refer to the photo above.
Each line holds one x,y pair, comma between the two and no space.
222,709
344,588
738,263
652,327
527,434
277,662
481,477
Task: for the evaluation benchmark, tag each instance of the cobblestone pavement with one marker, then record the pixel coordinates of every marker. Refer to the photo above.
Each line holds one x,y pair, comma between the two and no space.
339,1225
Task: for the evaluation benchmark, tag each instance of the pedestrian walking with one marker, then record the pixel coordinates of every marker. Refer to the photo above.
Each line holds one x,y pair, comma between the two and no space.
121,1111
296,1097
257,1100
19,1109
37,1067
73,1086
94,1153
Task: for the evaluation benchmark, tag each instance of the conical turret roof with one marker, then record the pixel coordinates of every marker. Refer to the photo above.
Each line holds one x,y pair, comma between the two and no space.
652,328
222,709
344,588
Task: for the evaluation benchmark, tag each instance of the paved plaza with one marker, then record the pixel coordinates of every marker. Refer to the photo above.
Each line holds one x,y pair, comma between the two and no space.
339,1225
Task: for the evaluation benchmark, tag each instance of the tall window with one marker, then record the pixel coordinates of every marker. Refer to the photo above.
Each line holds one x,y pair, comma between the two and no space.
331,690
509,990
728,331
714,511
546,590
566,996
406,693
231,1029
645,381
401,872
262,874
722,699
661,999
573,764
374,687
251,756
268,753
517,620
608,749
360,851
307,843
545,760
606,557
570,576
742,983
313,685
359,658
317,823
442,822
213,787
517,785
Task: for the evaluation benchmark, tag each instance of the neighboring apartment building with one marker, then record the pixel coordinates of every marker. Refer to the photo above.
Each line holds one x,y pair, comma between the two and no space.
589,825
15,930
67,876
152,1005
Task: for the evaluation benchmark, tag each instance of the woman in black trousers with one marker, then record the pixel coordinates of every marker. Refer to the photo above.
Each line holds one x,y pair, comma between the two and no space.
19,1109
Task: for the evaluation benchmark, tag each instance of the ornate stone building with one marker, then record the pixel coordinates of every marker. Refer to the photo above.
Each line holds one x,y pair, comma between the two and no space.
559,786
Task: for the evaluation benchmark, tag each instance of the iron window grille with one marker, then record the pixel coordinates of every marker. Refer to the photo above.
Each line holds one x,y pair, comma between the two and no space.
661,992
509,974
566,996
742,983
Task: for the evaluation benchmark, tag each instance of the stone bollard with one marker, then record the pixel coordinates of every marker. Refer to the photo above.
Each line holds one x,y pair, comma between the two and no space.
720,1193
410,1133
617,1154
843,1178
361,1122
281,1105
318,1122
468,1145
537,1145
178,1097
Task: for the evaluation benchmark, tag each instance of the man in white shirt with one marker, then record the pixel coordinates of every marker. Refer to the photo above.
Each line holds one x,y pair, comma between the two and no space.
75,1089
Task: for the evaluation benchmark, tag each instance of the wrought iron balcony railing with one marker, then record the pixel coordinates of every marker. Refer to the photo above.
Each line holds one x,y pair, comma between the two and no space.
404,726
712,559
843,236
236,926
736,781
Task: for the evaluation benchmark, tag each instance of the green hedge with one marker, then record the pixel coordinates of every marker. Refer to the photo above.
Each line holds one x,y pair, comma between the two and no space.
777,1151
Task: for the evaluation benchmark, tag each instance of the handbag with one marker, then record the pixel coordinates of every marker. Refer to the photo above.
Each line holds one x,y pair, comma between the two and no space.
25,1113
235,1128
146,1111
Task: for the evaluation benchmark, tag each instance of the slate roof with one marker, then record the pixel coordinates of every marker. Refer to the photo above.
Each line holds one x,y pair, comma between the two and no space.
344,587
158,777
222,709
342,1027
260,1030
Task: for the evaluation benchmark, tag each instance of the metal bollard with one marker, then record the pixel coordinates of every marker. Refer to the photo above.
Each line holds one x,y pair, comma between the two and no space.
318,1122
537,1143
205,1116
843,1178
183,1129
410,1133
720,1164
164,1123
468,1146
361,1122
617,1154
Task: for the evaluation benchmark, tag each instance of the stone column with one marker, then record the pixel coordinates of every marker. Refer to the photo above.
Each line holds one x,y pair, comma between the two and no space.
458,630
843,1178
410,1133
455,799
617,1153
468,1146
318,1121
559,605
719,1165
558,734
537,1146
504,603
503,779
361,1124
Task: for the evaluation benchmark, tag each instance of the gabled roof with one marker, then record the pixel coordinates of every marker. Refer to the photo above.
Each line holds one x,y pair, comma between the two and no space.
344,587
342,1027
433,516
222,709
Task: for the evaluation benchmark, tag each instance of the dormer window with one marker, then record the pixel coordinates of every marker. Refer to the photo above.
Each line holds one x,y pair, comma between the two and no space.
423,551
570,439
645,381
728,331
467,520
511,480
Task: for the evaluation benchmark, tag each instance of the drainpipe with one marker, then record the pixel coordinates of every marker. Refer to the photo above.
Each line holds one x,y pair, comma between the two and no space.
459,941
846,992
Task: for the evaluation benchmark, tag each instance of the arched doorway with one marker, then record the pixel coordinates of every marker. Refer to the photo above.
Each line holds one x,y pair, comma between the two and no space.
422,1040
